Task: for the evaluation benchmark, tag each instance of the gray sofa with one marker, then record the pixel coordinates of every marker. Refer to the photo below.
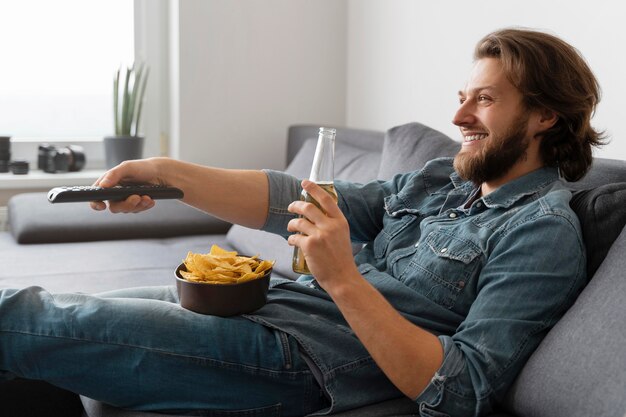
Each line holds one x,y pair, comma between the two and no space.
578,371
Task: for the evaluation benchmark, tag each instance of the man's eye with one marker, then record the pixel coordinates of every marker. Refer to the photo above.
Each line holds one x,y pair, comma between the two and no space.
483,98
461,100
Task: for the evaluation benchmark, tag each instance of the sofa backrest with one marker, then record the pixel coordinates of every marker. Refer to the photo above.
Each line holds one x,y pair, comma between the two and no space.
297,135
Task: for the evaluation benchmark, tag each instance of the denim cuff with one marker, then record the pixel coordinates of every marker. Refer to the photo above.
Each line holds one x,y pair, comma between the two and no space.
432,397
283,189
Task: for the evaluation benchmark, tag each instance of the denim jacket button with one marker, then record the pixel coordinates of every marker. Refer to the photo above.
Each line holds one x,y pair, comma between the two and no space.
453,215
461,284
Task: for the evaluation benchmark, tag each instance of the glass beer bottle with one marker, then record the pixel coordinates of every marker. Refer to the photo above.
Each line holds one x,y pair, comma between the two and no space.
322,173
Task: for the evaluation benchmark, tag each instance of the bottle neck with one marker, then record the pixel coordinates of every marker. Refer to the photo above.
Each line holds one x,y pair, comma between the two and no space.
323,169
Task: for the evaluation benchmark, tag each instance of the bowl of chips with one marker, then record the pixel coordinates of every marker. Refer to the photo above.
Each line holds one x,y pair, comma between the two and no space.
223,283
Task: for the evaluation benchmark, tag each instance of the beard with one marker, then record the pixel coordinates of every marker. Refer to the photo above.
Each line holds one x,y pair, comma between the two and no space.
497,156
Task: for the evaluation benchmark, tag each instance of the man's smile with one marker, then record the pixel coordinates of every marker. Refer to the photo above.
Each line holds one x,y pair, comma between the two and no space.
471,138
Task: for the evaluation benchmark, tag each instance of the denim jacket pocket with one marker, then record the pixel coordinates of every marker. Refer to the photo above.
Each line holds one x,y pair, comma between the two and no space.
447,262
397,218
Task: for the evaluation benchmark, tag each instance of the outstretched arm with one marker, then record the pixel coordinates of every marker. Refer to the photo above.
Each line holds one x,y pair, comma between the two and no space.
238,196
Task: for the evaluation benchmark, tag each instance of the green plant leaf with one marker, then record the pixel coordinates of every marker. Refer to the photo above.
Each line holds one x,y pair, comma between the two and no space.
135,98
125,108
128,98
142,91
116,115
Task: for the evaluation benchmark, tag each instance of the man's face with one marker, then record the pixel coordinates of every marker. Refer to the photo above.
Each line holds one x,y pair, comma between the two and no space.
493,122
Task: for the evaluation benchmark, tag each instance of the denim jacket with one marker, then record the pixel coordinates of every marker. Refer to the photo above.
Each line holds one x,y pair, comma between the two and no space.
489,280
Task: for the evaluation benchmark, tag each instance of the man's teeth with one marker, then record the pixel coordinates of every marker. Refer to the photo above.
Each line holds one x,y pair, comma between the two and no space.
475,137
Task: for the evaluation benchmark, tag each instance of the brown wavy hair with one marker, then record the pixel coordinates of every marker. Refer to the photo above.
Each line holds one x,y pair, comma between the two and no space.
551,75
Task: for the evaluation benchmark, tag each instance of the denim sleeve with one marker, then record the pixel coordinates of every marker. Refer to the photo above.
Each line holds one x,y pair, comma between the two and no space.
284,189
532,276
361,204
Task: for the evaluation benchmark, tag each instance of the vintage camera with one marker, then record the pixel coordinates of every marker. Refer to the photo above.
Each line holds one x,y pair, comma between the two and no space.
54,159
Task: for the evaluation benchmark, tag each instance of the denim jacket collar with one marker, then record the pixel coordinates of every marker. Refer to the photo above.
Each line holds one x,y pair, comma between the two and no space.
509,193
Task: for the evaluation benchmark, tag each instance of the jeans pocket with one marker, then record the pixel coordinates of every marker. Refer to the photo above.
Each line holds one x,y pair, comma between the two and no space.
283,339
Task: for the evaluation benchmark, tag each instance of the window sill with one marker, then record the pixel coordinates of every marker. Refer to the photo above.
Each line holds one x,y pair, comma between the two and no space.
38,179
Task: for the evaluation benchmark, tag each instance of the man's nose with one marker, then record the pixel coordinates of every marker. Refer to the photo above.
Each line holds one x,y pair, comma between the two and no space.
464,115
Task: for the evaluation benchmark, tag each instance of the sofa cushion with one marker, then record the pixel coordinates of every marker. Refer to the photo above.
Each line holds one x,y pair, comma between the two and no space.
578,370
602,171
297,135
32,219
92,267
408,147
351,163
602,217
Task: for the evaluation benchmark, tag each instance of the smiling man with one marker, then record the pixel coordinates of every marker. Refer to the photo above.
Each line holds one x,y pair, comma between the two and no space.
457,284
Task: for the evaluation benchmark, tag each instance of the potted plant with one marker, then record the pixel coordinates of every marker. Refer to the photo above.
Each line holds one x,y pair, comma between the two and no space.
129,87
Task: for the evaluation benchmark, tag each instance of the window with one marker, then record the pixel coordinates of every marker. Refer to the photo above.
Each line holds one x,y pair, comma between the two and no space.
58,62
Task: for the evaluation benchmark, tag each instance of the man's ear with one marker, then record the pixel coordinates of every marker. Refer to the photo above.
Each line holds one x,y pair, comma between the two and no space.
547,119
544,120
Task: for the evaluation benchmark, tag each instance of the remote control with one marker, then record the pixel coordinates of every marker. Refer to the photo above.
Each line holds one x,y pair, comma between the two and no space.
120,192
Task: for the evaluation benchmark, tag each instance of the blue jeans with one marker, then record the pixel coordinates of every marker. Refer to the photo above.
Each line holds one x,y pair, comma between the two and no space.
138,349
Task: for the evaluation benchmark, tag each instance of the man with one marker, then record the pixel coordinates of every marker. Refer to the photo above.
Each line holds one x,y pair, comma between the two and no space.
457,284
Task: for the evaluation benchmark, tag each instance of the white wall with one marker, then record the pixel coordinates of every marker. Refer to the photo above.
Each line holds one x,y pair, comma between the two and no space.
407,59
243,70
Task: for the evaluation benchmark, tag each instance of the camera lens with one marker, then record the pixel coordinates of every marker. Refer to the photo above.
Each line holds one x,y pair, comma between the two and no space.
5,143
61,159
78,159
42,155
19,167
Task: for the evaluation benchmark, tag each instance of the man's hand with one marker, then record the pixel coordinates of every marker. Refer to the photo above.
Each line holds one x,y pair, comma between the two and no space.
145,171
324,238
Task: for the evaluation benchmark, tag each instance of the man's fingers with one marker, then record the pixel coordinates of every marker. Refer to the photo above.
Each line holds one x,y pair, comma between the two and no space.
98,205
301,225
133,204
127,171
325,200
108,179
308,210
327,203
295,240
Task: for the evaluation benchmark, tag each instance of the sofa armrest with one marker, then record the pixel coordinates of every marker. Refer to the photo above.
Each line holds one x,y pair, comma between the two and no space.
32,219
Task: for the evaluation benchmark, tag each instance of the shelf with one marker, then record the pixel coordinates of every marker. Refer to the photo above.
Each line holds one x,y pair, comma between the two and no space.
39,179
